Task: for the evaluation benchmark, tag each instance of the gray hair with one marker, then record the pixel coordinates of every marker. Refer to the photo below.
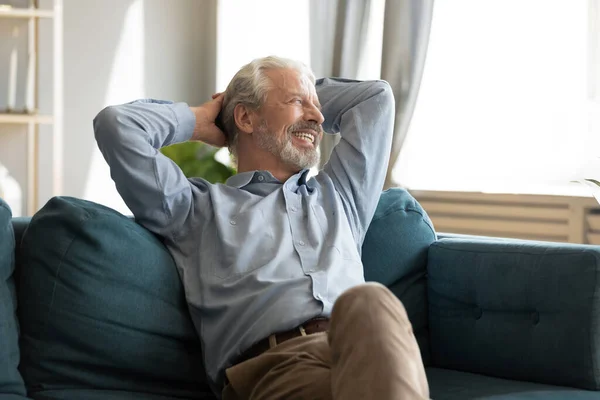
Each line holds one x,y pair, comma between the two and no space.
249,87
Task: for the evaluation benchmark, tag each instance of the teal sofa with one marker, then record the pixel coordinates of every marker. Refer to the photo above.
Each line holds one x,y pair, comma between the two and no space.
91,307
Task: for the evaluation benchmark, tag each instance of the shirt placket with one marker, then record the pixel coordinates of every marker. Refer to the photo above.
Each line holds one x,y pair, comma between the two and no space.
297,216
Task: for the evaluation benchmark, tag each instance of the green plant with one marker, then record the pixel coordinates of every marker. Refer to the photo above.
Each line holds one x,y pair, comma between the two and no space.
594,185
197,159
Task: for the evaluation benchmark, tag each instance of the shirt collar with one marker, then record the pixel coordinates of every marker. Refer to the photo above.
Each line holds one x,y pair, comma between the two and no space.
242,179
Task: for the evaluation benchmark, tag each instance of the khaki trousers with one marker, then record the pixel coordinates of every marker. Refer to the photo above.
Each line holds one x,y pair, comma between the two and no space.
370,352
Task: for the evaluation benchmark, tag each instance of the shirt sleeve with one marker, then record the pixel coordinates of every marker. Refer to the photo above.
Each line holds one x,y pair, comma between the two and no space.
363,113
152,185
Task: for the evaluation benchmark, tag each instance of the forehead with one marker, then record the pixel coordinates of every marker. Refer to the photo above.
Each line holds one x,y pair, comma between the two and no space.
286,81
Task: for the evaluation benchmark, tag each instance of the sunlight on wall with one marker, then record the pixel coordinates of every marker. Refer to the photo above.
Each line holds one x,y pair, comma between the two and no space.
126,82
503,104
252,29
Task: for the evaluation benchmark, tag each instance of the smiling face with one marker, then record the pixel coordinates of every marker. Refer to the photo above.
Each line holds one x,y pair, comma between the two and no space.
288,124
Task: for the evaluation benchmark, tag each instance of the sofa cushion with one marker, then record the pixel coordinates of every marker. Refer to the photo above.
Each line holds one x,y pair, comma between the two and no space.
445,384
95,394
10,378
394,253
102,307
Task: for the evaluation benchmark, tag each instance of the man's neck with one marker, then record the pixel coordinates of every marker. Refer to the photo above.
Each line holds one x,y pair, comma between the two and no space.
278,169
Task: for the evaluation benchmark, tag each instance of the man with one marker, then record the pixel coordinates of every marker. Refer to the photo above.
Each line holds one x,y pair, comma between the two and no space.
270,261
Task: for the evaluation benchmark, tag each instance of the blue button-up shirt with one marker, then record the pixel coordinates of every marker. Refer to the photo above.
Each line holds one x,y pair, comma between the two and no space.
255,255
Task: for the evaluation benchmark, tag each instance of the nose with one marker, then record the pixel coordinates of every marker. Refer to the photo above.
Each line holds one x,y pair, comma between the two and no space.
314,114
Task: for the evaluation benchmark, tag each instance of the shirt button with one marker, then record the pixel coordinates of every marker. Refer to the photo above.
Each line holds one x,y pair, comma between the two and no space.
261,178
232,222
301,243
293,209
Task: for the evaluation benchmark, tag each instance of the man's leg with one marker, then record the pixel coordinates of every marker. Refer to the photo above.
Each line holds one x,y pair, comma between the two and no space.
297,369
374,353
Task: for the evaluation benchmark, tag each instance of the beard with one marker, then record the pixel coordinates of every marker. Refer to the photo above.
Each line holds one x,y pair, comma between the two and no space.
283,147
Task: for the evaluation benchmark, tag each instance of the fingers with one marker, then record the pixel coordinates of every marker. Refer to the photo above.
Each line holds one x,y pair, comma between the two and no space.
218,100
215,104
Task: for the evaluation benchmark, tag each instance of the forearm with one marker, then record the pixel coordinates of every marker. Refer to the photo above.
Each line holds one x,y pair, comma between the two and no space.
129,137
142,123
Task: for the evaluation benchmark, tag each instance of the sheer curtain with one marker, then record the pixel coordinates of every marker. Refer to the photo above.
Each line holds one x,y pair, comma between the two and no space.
349,37
405,39
338,35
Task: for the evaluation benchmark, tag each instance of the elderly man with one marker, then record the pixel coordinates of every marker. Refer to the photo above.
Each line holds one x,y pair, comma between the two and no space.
270,261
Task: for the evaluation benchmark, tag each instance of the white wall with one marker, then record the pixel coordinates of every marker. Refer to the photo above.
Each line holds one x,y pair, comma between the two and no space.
114,51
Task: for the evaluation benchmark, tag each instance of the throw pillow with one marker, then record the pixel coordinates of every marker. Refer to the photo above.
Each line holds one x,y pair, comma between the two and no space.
102,307
394,254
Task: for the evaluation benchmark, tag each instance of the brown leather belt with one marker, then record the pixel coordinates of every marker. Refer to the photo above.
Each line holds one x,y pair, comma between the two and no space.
311,326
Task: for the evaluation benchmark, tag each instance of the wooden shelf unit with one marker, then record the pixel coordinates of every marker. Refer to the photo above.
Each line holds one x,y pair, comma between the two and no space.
14,118
16,12
33,13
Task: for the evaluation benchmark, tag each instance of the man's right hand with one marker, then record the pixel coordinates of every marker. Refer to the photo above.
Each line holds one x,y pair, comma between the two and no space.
206,130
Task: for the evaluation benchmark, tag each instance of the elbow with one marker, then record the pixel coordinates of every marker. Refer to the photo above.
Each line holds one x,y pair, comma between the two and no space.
385,94
106,123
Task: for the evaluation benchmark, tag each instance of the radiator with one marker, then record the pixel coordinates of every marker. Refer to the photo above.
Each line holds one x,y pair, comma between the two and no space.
534,217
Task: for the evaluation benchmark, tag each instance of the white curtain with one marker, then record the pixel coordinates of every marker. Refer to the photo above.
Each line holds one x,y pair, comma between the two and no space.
338,39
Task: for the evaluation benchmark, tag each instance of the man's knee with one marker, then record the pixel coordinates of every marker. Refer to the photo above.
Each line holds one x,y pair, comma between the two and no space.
367,297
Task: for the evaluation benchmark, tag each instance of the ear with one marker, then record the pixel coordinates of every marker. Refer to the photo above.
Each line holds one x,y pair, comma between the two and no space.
243,118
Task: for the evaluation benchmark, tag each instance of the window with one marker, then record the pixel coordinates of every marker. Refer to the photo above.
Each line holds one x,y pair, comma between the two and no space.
509,100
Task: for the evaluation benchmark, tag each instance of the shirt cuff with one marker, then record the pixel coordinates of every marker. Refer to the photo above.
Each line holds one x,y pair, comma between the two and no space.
186,122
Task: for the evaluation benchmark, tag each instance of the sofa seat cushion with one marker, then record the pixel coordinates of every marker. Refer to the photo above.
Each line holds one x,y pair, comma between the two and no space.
92,394
445,384
102,307
11,382
394,253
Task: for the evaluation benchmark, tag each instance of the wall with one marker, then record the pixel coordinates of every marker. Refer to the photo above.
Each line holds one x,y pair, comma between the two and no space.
114,51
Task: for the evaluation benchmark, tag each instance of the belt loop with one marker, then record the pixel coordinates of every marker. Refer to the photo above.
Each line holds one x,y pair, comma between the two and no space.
302,331
272,341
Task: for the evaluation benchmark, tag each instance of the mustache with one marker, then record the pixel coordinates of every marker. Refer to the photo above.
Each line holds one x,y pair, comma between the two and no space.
306,125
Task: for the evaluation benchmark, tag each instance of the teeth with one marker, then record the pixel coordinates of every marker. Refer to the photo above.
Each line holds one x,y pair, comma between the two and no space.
305,136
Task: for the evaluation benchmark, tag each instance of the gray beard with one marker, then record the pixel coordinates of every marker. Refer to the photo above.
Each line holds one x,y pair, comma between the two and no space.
284,149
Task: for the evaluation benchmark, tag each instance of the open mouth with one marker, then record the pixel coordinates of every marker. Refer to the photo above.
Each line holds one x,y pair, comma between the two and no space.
304,136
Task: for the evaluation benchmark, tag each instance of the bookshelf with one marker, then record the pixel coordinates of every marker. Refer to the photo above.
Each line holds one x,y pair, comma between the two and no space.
28,115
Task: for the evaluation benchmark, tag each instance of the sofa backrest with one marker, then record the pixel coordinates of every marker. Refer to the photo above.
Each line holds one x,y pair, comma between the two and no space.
113,312
11,382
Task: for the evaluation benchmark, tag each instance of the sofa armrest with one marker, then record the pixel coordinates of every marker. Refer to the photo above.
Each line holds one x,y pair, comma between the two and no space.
516,309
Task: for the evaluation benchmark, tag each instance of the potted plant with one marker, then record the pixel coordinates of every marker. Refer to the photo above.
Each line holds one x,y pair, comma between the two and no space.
197,159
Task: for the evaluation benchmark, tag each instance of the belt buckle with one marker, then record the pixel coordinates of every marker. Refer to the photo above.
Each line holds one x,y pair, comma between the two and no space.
272,341
302,330
273,337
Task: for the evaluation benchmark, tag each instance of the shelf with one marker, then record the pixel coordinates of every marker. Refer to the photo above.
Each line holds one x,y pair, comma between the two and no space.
7,11
25,119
